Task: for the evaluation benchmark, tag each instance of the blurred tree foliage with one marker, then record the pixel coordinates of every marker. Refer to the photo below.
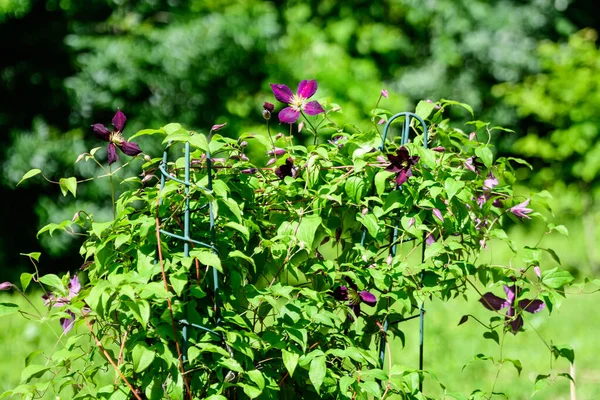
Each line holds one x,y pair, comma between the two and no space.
559,110
68,64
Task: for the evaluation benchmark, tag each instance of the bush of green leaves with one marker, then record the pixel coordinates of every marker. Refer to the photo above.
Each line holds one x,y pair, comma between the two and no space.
303,263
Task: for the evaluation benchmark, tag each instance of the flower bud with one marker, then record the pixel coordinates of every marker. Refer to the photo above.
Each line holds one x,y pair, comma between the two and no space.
439,149
271,161
382,159
244,157
5,286
217,127
381,121
277,151
384,93
300,126
147,158
278,136
244,144
537,271
249,171
472,135
75,217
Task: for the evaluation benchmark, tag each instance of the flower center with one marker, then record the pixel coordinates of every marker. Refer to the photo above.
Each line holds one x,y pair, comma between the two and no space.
297,103
353,296
116,137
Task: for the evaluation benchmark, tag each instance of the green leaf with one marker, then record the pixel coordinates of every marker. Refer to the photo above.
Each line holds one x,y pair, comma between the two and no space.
307,229
452,187
33,371
142,357
25,280
382,179
146,132
35,255
516,363
564,351
207,257
486,155
317,371
195,139
257,377
29,174
68,185
8,308
424,109
355,189
240,228
290,360
556,278
54,281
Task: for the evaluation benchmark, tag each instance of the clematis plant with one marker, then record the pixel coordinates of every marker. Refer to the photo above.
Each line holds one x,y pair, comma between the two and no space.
50,300
513,314
115,138
297,102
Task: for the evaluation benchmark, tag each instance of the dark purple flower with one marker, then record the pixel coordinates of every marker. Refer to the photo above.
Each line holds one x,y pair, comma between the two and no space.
513,314
355,297
297,103
521,210
115,138
287,169
401,163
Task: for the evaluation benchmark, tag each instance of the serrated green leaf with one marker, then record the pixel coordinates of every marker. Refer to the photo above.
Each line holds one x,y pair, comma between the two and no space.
29,174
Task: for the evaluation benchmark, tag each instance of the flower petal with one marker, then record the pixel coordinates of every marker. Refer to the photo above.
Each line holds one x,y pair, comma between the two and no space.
340,293
493,302
130,148
288,116
119,120
313,108
282,93
67,323
403,176
510,293
307,89
101,131
112,153
74,286
532,306
368,298
516,324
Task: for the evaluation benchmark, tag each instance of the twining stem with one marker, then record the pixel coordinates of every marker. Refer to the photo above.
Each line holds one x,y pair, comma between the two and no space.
312,127
112,192
170,306
109,358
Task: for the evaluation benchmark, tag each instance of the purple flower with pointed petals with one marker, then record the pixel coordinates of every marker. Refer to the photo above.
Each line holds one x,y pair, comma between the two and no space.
67,323
401,163
521,210
514,308
298,102
115,138
287,169
355,297
490,182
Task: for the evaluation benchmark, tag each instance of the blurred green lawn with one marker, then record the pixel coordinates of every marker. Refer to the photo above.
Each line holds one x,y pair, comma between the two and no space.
448,347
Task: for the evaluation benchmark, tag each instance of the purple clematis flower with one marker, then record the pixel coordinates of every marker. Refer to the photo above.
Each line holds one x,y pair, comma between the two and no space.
115,138
287,169
297,103
513,314
355,297
51,300
521,210
401,163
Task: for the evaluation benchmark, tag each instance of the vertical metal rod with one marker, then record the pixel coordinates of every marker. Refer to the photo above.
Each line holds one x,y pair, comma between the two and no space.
186,244
213,238
422,320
